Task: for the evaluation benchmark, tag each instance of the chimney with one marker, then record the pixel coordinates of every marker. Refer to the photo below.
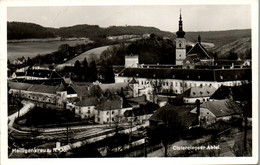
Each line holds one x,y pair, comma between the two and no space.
198,111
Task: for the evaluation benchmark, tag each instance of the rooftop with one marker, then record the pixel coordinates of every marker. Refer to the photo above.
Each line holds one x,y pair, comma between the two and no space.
189,74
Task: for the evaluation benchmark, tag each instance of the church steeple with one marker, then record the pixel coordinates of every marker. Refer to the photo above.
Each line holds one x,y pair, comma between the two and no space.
180,33
180,44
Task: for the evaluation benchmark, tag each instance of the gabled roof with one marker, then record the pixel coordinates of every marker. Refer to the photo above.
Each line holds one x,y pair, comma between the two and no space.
200,51
188,74
80,90
114,103
194,92
18,85
42,73
182,113
45,89
221,108
90,101
239,93
113,87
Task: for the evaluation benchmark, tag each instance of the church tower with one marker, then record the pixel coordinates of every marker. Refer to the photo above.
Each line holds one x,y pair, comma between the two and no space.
180,44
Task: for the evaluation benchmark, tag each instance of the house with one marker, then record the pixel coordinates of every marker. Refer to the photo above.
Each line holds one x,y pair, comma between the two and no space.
54,96
197,93
19,61
108,109
238,93
212,111
86,108
35,74
18,75
171,114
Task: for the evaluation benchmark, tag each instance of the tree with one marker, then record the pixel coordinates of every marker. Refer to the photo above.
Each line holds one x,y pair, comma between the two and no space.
64,49
95,91
86,71
232,55
93,71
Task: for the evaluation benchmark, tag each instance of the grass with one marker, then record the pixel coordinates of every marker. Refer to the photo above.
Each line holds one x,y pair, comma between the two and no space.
93,54
32,49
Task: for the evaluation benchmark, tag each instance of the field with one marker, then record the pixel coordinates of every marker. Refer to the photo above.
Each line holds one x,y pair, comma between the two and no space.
32,49
93,54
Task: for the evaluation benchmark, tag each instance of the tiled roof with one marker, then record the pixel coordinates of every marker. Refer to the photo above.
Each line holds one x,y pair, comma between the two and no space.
139,100
194,92
200,51
221,108
80,90
229,62
18,85
42,73
44,89
19,73
36,87
239,93
182,112
113,87
110,104
188,74
91,101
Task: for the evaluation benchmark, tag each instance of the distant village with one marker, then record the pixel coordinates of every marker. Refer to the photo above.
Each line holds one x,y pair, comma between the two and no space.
144,112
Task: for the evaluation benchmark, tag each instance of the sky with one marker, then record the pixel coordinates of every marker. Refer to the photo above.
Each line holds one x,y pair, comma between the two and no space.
164,17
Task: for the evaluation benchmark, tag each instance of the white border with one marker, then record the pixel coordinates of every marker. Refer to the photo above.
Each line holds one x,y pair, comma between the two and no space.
187,160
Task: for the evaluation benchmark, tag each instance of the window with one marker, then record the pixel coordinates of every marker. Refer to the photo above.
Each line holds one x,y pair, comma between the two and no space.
112,112
107,119
88,111
179,55
107,112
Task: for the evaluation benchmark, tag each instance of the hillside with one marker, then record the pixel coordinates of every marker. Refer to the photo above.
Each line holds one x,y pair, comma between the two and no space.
242,47
239,41
22,30
219,38
94,31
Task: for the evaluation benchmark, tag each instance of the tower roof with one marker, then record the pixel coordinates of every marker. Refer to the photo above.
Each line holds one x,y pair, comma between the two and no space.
180,33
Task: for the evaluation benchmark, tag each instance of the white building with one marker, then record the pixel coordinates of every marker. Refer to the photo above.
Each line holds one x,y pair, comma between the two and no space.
131,61
179,80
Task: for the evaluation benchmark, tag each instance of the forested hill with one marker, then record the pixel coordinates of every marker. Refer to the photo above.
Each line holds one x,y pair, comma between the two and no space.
94,31
219,38
22,30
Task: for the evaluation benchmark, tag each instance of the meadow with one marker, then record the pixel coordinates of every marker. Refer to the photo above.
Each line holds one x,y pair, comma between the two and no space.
32,49
92,54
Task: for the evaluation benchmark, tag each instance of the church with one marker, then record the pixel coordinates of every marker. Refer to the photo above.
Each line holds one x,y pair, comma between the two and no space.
197,55
194,68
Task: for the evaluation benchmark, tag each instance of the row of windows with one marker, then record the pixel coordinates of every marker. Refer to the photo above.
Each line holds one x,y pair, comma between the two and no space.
182,84
37,98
